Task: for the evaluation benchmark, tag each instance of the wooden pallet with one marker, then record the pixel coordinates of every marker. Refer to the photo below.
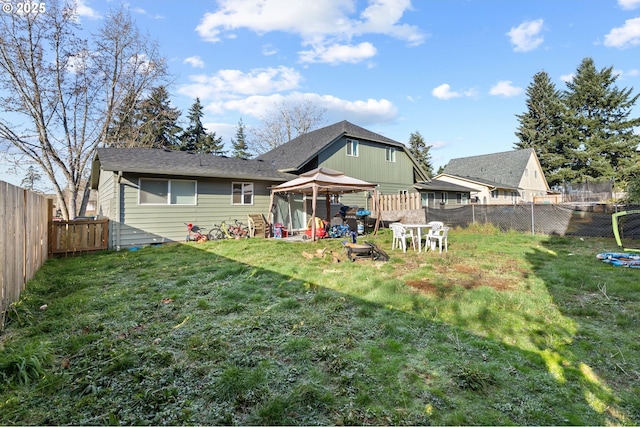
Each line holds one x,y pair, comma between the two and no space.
258,226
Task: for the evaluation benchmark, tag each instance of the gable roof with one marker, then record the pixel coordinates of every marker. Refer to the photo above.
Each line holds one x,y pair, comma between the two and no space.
182,163
503,169
439,185
293,155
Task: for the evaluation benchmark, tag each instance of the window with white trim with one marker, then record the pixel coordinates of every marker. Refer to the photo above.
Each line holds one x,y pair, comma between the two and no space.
242,193
390,154
462,198
153,191
495,194
352,148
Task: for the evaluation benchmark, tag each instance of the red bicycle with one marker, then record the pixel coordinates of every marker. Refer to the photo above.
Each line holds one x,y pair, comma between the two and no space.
195,234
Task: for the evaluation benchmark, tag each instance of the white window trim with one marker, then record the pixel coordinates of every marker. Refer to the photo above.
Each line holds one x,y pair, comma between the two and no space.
390,154
242,184
352,148
168,201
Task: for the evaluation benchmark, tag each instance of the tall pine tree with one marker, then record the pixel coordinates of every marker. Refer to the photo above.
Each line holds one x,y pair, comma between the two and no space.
239,143
541,125
195,133
598,126
584,131
420,150
156,121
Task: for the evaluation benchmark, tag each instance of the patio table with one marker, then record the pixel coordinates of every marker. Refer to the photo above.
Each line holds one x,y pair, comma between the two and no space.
418,228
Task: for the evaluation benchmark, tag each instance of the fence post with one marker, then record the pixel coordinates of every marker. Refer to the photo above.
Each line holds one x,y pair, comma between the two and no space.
473,214
533,225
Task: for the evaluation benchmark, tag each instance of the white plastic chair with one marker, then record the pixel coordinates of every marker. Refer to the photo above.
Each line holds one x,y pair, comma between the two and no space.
400,235
439,237
432,226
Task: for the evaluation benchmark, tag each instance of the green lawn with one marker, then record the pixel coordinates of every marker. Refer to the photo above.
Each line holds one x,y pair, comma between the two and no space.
504,329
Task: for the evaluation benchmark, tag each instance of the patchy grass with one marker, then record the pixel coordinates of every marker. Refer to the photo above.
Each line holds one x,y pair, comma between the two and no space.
505,328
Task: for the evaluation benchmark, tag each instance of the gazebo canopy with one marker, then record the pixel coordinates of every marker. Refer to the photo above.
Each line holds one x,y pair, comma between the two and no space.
325,181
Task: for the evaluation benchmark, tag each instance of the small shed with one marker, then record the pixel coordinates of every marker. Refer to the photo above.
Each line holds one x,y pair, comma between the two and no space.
325,181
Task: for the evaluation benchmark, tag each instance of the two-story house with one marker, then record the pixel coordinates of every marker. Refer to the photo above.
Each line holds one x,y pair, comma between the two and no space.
353,150
499,178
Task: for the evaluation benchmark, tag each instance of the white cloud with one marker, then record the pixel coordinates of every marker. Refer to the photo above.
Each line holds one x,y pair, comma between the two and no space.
83,10
195,61
444,92
625,36
363,112
336,53
505,88
526,36
227,84
325,25
629,4
567,77
268,50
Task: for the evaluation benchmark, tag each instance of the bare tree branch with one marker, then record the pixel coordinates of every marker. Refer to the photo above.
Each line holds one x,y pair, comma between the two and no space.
60,91
287,120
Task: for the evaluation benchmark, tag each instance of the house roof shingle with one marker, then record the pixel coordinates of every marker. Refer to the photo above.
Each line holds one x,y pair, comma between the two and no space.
294,154
183,163
439,185
503,169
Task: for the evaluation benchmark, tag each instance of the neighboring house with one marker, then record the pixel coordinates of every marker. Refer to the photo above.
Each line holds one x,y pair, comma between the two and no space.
353,150
150,194
500,178
438,193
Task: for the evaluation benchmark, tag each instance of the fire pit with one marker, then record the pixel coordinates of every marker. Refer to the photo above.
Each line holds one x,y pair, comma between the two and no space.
365,250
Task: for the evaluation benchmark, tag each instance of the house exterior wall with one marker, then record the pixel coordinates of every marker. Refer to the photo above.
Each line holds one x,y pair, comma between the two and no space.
533,181
371,165
434,198
148,224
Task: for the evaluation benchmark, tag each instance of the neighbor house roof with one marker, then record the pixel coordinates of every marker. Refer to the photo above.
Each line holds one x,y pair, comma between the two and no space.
182,163
502,170
296,153
438,185
481,181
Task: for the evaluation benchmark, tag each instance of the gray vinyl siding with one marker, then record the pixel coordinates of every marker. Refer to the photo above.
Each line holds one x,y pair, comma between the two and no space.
149,224
371,165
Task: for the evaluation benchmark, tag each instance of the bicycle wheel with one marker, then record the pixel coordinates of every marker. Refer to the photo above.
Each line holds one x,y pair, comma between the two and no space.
215,234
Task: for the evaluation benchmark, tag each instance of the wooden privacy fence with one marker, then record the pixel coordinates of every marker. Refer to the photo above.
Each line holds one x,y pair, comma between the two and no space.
79,235
23,241
400,202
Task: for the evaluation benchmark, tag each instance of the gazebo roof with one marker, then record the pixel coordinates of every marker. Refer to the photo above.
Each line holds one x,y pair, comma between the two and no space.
326,181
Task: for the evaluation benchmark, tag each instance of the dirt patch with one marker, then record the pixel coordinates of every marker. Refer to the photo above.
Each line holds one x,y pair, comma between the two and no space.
465,276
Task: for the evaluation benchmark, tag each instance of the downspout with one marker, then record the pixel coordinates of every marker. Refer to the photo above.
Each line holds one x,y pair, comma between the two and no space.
118,210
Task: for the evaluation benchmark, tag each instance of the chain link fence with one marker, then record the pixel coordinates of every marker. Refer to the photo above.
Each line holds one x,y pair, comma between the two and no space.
563,220
587,191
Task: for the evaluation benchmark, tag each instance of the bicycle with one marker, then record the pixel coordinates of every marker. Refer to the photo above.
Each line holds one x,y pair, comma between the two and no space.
235,231
217,233
194,234
239,230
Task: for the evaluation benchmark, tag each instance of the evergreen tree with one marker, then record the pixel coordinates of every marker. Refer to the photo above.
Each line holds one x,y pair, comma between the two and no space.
541,124
157,121
211,144
239,143
123,130
420,150
597,125
195,133
31,179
